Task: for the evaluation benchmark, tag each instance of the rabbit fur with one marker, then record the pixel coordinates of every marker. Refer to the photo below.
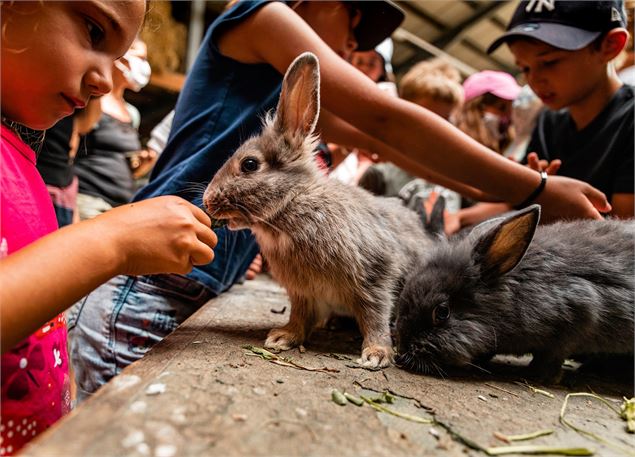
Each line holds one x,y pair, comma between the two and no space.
335,248
569,291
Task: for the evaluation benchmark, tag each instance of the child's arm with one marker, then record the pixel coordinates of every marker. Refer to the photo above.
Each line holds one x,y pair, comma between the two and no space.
160,235
413,131
336,130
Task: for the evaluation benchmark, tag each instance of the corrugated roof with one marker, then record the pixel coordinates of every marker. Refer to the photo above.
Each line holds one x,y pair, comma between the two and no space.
461,28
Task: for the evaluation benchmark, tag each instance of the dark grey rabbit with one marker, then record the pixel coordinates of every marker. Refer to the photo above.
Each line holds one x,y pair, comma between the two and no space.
335,248
569,291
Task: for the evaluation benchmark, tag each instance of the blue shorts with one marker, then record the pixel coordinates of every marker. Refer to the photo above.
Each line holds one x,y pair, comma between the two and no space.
120,321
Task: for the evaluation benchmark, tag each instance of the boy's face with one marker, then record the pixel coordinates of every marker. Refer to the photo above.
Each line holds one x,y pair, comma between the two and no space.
559,78
334,22
56,55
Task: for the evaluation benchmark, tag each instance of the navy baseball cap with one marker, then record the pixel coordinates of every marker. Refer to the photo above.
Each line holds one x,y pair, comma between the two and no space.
379,20
564,24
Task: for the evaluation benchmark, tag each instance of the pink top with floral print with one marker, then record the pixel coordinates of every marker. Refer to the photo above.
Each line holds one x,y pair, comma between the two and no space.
35,375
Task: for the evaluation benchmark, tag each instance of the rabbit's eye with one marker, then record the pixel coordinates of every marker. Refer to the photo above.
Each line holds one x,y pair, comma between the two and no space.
440,314
249,165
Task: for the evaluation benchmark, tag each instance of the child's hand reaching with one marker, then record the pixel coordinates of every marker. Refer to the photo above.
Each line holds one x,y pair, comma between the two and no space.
543,165
567,198
161,235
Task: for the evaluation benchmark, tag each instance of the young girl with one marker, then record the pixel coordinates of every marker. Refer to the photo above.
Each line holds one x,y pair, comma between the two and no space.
235,80
55,56
486,113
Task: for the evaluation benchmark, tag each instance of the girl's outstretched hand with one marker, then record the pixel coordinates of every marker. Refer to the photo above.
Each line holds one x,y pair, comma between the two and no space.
160,235
567,198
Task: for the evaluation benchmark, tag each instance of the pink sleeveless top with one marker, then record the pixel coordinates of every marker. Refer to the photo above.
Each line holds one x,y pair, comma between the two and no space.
35,375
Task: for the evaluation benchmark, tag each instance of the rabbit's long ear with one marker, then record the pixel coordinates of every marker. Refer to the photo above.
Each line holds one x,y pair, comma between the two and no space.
299,104
433,224
500,249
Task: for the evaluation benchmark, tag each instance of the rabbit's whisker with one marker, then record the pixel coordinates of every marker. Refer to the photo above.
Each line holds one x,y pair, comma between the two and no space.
194,187
439,370
479,367
257,218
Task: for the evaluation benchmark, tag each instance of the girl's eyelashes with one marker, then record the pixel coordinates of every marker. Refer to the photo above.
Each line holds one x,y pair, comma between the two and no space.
95,33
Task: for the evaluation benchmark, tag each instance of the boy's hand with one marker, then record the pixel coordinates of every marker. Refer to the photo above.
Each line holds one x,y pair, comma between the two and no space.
160,235
542,165
566,198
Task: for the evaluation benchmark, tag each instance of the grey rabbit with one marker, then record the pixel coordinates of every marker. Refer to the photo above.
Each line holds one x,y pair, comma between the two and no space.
510,287
335,248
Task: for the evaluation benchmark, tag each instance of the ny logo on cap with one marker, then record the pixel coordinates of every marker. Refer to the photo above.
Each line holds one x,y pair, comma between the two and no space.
615,15
536,5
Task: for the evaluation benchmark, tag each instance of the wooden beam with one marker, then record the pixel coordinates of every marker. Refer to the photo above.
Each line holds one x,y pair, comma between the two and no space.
412,11
481,12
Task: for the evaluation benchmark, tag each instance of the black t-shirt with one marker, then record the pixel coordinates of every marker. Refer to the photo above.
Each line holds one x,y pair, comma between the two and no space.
600,154
53,161
102,166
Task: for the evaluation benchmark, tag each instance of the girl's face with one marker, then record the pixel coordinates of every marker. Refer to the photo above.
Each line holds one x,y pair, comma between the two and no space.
334,22
57,55
370,63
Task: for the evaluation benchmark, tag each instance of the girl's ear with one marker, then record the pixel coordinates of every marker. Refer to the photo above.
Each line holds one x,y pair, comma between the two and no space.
299,104
500,249
613,43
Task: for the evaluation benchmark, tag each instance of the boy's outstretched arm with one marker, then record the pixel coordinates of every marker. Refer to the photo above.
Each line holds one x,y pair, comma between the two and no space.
414,132
160,235
336,130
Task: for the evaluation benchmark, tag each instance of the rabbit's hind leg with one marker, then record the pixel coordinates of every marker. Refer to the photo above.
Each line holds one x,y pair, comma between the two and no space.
301,321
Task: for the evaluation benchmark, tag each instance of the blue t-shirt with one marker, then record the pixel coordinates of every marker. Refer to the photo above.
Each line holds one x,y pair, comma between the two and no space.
221,105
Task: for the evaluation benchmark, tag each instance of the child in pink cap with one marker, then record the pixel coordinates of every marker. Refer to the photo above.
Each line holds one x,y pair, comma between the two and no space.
486,114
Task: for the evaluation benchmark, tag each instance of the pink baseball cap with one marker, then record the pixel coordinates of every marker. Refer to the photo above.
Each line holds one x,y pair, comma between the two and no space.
498,83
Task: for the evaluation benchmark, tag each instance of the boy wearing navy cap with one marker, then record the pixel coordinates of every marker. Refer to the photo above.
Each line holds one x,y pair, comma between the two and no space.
564,48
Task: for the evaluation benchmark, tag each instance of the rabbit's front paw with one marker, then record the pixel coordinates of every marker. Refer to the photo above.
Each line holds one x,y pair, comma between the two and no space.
282,339
376,356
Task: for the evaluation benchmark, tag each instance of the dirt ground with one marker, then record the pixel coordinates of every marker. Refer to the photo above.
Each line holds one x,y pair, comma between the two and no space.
200,393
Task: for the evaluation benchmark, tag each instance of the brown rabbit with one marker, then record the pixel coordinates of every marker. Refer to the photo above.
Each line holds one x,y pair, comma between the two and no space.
335,248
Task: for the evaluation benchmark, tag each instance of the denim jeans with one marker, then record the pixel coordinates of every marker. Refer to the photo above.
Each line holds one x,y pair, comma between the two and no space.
120,321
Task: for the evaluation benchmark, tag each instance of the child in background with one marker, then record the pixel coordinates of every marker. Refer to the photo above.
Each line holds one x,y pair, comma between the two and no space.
486,114
112,147
55,56
371,63
435,85
234,81
525,110
566,53
350,165
55,164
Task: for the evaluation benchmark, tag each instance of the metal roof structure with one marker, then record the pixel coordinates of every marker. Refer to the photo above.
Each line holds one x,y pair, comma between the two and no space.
459,29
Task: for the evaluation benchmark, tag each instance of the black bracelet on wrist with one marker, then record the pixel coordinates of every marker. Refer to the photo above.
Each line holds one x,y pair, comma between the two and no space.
534,195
